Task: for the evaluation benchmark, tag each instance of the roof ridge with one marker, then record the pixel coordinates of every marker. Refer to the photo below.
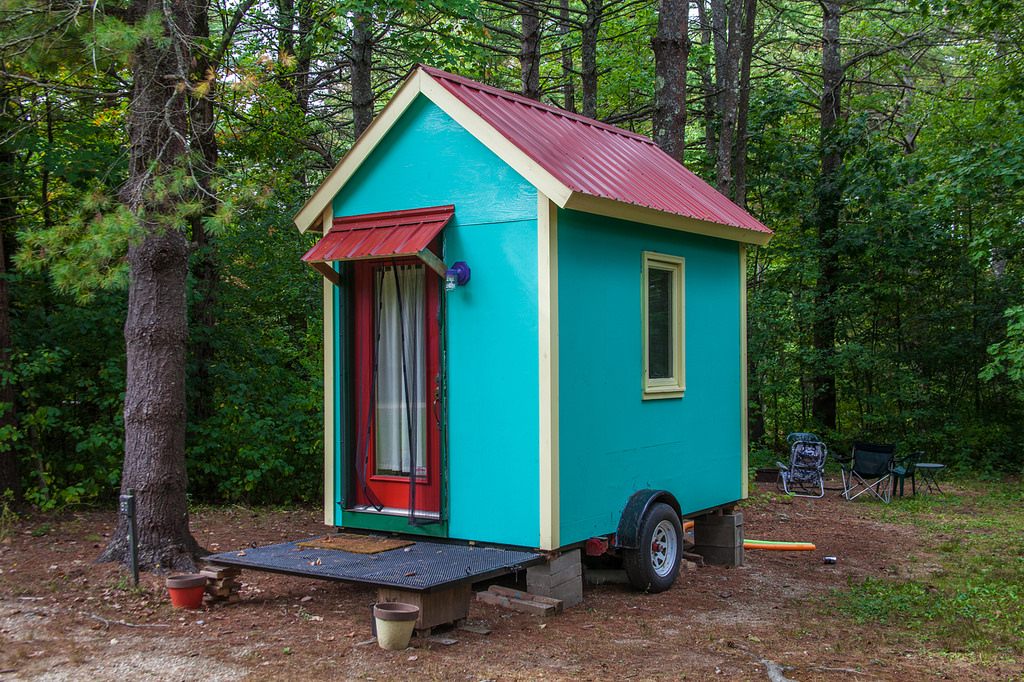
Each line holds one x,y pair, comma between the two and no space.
520,99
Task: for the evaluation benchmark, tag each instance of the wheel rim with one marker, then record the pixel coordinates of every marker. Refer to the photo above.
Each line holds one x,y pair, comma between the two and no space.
664,548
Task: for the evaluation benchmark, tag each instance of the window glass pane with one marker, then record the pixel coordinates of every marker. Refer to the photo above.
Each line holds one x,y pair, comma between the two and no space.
659,323
401,416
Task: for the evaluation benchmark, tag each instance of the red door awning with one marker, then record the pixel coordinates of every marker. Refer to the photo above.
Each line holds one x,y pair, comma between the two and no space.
377,236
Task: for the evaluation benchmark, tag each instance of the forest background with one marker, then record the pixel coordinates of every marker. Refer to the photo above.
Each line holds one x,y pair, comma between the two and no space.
882,140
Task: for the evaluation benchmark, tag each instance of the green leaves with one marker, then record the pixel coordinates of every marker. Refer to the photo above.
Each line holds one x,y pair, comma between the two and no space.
87,252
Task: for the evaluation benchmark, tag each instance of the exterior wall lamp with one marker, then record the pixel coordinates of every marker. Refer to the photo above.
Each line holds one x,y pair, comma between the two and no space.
456,276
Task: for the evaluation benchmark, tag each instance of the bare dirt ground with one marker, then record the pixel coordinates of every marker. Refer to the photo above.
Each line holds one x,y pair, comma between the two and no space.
63,617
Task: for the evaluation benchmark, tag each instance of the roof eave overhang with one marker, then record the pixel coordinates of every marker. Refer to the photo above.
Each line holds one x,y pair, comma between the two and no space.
587,203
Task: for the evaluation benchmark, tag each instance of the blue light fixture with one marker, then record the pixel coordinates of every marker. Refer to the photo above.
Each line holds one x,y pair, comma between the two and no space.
456,276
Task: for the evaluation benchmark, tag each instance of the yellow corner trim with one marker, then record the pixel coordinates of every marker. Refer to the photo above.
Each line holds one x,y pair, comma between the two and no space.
547,338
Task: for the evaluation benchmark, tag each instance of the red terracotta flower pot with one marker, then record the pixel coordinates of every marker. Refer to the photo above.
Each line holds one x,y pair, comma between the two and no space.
186,590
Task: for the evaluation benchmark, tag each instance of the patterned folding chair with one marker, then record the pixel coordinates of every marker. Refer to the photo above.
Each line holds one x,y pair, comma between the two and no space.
805,474
868,469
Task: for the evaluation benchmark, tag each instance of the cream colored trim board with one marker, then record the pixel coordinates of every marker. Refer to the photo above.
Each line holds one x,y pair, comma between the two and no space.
547,338
744,423
648,216
329,505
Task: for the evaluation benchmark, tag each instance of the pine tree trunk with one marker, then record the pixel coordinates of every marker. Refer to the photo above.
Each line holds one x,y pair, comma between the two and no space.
707,82
529,50
155,330
304,56
204,259
727,30
362,64
830,193
671,46
739,166
569,84
9,477
588,55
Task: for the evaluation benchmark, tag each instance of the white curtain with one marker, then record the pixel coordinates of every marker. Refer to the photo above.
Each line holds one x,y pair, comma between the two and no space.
401,330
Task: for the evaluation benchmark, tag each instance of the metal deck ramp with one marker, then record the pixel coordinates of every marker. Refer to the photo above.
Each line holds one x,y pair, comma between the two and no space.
424,566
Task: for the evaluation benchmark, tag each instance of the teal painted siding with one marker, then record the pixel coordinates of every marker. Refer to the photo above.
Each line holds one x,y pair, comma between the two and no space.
612,443
426,159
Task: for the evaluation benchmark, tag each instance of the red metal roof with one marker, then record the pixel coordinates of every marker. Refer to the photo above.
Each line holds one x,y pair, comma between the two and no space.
380,235
595,158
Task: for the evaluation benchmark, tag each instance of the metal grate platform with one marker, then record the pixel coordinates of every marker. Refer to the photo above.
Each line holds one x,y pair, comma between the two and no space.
422,567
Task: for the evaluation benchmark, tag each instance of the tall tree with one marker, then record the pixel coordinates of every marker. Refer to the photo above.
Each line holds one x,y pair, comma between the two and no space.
9,478
158,195
362,72
671,44
829,195
529,49
732,24
568,82
593,15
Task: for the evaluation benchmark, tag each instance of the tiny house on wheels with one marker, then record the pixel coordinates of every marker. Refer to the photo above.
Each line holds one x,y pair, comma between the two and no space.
534,333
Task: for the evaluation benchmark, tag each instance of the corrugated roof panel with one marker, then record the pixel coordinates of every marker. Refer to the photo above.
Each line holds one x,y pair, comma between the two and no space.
380,235
595,158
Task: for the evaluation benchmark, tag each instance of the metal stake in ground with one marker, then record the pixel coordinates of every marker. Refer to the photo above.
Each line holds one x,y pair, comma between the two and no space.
127,507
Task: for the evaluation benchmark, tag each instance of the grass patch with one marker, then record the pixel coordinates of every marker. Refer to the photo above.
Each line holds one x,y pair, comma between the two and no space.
976,603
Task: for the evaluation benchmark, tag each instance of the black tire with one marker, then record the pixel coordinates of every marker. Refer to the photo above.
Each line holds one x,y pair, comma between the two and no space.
647,569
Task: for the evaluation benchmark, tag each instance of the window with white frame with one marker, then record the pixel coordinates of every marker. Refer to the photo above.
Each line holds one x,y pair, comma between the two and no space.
663,326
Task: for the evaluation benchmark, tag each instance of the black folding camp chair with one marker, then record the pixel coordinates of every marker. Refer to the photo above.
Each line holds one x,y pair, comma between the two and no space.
805,474
868,469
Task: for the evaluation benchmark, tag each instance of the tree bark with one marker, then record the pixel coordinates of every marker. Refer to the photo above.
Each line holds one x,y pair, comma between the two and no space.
9,476
362,64
529,50
707,82
739,166
204,259
304,57
830,193
671,44
155,330
727,22
569,84
594,13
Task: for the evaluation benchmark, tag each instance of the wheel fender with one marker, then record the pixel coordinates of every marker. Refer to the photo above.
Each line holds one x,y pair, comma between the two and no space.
628,534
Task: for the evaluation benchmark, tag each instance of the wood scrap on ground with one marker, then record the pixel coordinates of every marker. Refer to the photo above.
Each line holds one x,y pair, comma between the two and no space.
517,600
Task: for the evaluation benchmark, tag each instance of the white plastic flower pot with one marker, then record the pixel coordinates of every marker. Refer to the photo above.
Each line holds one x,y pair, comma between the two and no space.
395,623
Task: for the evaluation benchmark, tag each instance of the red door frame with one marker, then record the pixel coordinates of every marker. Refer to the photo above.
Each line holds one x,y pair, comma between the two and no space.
393,491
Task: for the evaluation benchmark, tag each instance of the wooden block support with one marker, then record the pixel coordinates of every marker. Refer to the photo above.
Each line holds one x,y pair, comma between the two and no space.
215,572
561,578
523,602
436,608
719,538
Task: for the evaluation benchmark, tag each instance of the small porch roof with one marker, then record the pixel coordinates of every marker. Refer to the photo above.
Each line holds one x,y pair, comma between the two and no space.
376,236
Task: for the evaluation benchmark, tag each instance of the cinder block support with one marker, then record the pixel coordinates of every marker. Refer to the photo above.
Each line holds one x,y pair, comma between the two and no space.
718,538
560,578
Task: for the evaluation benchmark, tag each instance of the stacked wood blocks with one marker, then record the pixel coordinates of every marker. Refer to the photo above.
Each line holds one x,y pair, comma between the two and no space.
221,583
518,600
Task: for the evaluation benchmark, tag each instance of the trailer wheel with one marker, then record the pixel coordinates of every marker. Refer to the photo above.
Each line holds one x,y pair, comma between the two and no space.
654,564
